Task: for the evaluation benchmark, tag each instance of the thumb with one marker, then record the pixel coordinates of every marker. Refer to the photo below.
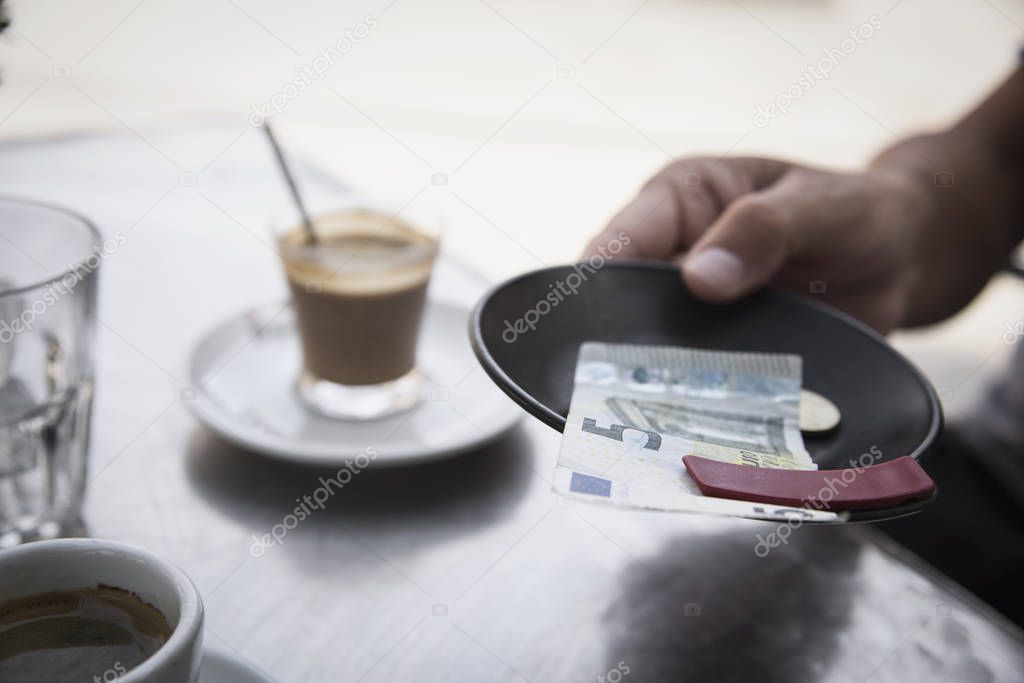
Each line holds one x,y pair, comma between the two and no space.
742,250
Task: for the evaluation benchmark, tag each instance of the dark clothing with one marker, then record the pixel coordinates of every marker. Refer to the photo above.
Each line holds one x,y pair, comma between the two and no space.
974,531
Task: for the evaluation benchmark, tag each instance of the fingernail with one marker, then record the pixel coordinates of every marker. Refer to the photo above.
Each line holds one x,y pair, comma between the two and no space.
717,269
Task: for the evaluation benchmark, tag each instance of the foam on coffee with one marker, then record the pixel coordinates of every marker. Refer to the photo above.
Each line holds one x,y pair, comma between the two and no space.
78,634
359,252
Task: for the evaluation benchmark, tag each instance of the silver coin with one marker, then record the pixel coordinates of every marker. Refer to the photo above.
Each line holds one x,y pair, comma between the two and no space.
817,413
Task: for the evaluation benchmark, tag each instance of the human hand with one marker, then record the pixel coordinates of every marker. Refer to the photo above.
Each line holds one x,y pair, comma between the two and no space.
737,224
891,245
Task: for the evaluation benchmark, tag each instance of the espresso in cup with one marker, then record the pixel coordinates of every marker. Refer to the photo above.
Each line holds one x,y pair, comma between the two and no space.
89,610
358,295
64,635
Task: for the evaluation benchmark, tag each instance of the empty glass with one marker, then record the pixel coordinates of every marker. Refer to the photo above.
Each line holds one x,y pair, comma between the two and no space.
49,259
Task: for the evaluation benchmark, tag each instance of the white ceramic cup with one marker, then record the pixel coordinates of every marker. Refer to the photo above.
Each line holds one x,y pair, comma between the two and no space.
74,563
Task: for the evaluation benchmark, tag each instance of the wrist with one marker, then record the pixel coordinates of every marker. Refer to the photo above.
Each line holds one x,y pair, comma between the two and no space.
971,183
962,217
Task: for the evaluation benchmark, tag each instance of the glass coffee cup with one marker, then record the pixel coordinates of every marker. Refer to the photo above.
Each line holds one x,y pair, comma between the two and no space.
358,295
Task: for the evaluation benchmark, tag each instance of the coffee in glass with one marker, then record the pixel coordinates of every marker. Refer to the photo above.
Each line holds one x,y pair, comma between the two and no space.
358,296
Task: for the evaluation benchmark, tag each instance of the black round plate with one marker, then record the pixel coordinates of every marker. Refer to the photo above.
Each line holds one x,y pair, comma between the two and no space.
886,403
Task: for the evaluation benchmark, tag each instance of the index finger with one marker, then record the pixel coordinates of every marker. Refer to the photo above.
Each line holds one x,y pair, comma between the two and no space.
647,227
678,204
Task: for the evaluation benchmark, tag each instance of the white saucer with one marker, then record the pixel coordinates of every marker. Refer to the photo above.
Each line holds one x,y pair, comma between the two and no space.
220,666
244,373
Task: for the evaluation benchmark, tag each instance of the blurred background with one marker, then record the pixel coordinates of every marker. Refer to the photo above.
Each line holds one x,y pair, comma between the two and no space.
530,121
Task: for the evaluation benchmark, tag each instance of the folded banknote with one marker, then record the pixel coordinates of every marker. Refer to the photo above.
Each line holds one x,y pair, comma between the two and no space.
637,410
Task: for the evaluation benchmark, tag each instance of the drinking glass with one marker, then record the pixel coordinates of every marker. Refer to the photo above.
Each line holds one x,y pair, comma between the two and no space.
49,258
358,294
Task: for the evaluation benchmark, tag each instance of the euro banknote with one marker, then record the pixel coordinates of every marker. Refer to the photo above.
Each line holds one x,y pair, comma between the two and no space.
636,410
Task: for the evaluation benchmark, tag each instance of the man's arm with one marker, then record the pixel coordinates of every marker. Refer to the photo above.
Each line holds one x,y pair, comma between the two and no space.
976,169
